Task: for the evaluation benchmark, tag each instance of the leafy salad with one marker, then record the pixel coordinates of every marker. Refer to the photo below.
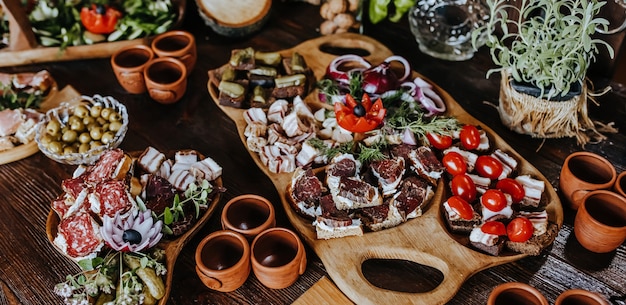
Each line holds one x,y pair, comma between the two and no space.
66,23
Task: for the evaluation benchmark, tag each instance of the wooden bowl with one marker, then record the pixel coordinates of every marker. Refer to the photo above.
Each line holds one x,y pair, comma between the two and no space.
235,18
172,247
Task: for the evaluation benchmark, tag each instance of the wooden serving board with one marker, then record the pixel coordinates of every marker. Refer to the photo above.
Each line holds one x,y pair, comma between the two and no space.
424,240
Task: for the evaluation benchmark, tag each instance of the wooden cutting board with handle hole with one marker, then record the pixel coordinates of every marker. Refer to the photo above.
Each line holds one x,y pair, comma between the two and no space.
423,240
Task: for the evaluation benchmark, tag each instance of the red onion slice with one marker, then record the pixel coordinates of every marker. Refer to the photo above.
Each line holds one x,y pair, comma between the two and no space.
340,76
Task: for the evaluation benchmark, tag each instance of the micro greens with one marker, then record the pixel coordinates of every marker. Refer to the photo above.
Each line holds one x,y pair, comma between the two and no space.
196,194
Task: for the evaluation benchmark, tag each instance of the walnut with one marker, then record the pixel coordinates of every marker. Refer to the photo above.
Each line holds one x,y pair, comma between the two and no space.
344,21
325,11
338,6
353,5
328,27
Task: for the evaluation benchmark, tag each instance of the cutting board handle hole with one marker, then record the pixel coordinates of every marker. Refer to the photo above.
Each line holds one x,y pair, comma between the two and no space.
401,275
337,49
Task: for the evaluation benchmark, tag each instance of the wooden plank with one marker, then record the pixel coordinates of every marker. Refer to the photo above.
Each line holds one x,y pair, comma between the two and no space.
324,292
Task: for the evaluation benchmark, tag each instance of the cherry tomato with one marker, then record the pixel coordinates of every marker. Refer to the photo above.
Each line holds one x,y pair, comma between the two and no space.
493,227
494,200
520,229
454,163
489,167
470,137
461,206
513,188
439,141
463,186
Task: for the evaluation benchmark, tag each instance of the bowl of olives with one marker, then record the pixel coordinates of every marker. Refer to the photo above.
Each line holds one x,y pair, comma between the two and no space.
78,132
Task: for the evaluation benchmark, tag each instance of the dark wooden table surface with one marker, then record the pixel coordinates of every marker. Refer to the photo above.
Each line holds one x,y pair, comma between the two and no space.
30,266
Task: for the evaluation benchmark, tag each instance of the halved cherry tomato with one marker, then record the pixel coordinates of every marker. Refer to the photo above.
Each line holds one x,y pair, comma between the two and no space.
520,229
494,200
463,186
493,227
461,206
360,116
454,163
439,141
513,188
488,166
470,137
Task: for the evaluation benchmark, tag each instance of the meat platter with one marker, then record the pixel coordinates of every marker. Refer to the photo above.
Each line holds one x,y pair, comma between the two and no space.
424,240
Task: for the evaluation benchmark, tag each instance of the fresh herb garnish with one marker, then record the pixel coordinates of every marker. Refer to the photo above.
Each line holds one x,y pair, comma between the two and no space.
330,152
11,99
198,195
372,153
405,117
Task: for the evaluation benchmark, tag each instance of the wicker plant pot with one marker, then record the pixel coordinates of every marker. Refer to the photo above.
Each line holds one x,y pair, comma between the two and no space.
540,118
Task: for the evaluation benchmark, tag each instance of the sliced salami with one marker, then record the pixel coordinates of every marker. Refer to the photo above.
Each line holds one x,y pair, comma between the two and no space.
79,235
110,197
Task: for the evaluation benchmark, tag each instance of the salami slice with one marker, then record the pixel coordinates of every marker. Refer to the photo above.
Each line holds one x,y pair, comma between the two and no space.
73,186
110,197
105,166
79,235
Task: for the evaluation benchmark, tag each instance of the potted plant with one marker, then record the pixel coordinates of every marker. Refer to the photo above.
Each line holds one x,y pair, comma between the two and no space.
543,49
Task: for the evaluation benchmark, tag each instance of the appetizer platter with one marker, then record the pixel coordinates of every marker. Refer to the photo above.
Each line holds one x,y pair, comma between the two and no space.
424,234
125,219
86,38
25,98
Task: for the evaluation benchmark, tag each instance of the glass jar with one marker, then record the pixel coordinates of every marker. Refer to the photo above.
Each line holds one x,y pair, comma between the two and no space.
443,28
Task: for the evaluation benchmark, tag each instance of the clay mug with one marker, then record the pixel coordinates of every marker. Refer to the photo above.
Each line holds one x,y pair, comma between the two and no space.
128,65
516,293
166,79
600,223
580,297
278,257
620,184
177,44
249,215
223,260
583,172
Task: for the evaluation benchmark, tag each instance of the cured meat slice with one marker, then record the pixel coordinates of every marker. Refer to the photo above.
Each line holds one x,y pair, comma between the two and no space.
158,193
331,216
413,194
206,169
381,217
106,167
425,164
305,192
151,159
109,197
389,173
73,186
79,236
354,193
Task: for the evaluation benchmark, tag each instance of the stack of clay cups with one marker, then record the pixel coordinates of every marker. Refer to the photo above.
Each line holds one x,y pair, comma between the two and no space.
161,69
513,293
250,241
590,185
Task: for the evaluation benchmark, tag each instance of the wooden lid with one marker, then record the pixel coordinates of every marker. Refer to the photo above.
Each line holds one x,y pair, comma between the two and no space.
235,13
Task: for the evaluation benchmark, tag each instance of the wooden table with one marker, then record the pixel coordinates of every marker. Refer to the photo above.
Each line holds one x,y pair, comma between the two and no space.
30,266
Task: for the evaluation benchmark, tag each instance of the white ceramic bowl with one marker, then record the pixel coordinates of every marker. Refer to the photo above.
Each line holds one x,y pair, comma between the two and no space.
62,114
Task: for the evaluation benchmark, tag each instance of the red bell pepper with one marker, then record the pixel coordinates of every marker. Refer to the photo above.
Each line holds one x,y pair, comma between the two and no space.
99,20
360,116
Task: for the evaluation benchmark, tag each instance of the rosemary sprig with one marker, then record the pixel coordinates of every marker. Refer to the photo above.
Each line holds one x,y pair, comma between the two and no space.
330,152
372,153
404,117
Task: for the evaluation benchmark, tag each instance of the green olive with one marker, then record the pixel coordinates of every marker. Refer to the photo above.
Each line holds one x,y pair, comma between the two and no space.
84,138
69,150
73,119
105,113
101,121
107,137
105,127
94,144
88,120
53,127
55,147
81,111
69,136
83,148
96,133
115,116
77,125
115,126
46,139
95,111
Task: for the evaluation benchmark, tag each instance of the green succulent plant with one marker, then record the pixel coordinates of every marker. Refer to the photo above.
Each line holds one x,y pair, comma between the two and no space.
546,43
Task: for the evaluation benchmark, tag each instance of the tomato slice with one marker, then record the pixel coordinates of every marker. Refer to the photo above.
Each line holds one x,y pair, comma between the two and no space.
513,188
494,200
470,137
488,166
454,163
461,206
493,227
520,229
463,186
439,141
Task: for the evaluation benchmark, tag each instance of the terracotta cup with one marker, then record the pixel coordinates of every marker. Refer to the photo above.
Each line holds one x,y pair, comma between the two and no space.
516,293
278,257
583,172
177,44
128,65
249,215
166,79
223,260
620,184
600,223
580,297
